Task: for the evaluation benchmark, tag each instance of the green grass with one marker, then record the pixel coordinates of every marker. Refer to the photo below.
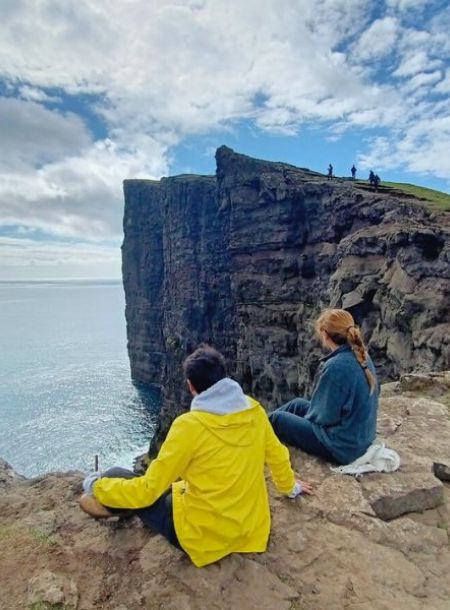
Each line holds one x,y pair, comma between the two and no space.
438,199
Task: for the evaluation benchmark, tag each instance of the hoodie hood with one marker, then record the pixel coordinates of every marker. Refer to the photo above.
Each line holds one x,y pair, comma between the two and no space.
223,398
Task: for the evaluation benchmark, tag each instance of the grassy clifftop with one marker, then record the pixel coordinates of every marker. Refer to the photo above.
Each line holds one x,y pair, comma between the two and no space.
437,199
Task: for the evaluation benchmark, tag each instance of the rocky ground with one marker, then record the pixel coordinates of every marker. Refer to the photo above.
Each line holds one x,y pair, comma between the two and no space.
380,542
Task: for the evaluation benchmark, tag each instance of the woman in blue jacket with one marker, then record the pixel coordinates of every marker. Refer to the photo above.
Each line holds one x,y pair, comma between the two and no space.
339,422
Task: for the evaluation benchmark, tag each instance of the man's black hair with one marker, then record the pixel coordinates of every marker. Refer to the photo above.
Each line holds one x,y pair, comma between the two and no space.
204,367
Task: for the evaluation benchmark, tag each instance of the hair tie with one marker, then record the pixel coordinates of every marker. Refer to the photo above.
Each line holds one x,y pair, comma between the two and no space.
349,327
364,366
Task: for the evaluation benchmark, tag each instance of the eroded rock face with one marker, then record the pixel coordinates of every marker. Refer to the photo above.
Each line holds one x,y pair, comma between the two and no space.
8,476
354,544
247,259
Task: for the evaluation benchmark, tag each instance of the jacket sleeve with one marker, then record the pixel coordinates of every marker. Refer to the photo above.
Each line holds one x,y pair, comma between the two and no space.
167,467
277,458
328,400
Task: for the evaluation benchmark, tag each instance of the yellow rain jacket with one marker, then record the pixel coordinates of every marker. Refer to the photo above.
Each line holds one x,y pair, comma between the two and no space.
220,505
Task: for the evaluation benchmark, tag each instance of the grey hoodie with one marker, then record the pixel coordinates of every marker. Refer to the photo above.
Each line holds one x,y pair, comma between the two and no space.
222,398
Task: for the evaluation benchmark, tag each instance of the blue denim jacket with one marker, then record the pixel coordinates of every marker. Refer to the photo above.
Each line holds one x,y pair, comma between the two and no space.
343,412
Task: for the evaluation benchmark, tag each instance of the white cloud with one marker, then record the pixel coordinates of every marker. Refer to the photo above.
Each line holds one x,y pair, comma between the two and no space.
173,68
79,194
24,258
378,40
444,85
32,135
422,79
183,67
423,149
34,94
415,63
54,253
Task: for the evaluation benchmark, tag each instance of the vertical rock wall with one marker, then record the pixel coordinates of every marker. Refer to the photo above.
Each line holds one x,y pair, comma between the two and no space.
246,260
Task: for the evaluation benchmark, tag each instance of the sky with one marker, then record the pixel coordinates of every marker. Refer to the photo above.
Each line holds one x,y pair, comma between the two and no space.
92,93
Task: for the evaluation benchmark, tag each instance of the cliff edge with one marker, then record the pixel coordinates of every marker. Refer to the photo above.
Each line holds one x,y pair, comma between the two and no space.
378,542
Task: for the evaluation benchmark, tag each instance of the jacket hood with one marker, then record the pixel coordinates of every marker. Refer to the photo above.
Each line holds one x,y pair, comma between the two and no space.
227,413
222,398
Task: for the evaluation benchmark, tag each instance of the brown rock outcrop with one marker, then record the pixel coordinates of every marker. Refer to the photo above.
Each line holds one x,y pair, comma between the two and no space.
330,551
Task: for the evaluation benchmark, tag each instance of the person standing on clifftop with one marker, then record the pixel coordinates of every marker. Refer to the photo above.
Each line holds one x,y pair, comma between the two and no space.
376,182
339,422
330,172
218,450
353,170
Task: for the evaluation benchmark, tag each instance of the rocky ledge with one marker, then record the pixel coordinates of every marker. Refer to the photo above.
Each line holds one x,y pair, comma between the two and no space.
374,543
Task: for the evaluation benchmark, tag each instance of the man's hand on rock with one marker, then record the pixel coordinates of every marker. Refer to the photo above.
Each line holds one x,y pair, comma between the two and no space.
301,487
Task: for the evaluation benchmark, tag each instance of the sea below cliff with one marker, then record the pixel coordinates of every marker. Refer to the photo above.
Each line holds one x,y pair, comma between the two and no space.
65,387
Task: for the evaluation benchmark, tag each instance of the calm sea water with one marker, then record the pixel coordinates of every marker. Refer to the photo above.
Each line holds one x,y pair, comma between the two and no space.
65,387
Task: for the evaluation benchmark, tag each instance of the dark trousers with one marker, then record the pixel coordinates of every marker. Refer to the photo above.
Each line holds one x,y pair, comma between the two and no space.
291,427
158,516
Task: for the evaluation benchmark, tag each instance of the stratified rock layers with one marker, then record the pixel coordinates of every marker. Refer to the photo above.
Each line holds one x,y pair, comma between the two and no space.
245,260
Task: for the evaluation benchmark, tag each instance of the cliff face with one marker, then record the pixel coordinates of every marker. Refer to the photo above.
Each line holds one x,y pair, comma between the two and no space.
246,260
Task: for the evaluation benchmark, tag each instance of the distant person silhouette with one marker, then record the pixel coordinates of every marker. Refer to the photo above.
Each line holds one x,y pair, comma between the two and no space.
330,172
376,182
353,170
371,178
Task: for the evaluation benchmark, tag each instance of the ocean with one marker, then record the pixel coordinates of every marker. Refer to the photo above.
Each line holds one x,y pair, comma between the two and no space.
65,387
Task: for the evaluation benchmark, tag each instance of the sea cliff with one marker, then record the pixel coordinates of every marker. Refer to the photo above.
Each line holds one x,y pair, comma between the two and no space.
246,259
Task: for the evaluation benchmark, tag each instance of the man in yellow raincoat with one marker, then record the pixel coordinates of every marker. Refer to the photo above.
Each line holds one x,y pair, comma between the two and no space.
206,490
